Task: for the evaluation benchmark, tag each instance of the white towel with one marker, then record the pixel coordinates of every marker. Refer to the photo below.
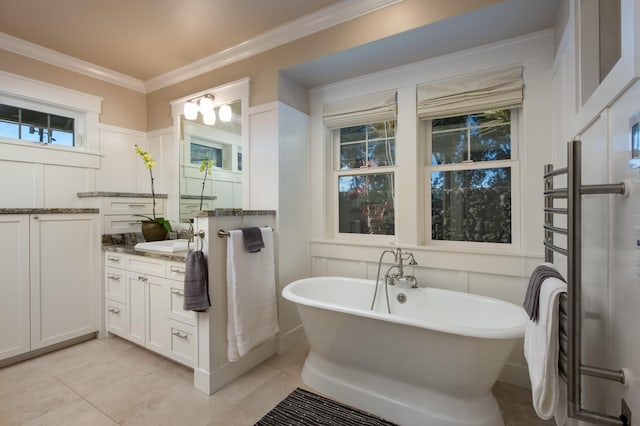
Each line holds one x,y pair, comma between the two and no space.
541,351
251,295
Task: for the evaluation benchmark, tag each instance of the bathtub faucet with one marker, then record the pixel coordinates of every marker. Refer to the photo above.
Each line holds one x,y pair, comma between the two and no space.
396,277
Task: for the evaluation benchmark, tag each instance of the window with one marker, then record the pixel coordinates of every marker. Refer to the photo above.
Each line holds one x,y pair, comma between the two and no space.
35,126
201,153
365,178
470,173
363,133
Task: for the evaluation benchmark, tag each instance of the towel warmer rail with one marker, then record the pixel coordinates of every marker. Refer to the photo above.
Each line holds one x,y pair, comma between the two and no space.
570,364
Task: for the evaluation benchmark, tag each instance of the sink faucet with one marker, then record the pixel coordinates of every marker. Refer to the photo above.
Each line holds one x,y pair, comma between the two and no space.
397,277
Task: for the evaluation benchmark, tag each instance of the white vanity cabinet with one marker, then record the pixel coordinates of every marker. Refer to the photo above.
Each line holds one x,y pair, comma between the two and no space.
121,213
143,300
50,280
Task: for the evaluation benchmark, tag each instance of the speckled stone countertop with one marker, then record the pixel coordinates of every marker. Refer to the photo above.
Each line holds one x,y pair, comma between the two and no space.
197,197
119,194
124,243
47,211
234,212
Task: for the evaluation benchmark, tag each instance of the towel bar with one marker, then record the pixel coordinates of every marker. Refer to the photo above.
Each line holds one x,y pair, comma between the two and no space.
570,365
222,233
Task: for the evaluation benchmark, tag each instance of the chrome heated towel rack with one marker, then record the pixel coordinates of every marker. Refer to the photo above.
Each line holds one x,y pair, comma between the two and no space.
570,364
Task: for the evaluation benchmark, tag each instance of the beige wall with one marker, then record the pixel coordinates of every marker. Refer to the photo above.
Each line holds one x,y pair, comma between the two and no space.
120,107
137,111
263,68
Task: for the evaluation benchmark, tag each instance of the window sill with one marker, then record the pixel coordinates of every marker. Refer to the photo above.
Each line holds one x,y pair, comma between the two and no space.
32,152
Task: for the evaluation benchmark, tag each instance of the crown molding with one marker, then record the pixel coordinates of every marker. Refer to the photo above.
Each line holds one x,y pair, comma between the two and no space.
293,30
49,56
314,22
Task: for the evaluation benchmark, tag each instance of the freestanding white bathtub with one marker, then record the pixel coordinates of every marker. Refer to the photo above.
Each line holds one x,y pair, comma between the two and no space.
432,361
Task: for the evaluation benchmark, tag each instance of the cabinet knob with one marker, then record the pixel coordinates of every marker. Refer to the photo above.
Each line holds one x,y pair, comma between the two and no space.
142,278
177,292
35,217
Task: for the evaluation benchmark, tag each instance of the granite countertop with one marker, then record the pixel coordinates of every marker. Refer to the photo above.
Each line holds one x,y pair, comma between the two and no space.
124,243
39,210
234,212
119,194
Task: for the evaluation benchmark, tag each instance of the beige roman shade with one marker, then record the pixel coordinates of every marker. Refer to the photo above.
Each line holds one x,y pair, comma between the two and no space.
362,110
501,88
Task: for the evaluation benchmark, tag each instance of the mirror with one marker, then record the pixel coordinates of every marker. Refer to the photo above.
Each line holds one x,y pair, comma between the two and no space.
221,144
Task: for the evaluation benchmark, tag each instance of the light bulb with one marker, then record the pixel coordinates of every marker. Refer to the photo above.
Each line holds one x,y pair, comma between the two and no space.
225,113
190,110
209,118
206,105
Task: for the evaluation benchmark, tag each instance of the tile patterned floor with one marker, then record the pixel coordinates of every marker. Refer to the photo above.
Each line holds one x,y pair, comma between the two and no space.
114,382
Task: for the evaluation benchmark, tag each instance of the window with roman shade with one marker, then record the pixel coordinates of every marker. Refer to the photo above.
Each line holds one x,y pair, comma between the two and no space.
470,126
489,90
363,132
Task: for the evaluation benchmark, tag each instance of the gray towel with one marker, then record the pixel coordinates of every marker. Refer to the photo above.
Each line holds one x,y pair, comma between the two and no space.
531,299
252,238
196,285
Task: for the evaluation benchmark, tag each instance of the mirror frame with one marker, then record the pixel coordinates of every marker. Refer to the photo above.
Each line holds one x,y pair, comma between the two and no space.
226,93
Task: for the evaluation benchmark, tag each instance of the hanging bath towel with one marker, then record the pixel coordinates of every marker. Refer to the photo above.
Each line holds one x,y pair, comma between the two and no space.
251,294
541,352
196,285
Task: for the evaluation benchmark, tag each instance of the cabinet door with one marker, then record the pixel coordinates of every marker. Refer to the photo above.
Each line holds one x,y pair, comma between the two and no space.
14,291
64,252
157,308
136,308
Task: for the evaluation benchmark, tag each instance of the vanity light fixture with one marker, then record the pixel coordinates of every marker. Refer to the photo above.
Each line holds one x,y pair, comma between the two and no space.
225,113
204,105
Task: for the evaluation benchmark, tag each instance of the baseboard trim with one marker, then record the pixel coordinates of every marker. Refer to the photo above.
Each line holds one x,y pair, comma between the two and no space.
287,340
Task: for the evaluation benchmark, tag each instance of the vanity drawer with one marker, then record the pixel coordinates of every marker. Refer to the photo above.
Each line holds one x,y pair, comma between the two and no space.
147,265
116,317
130,206
182,342
115,260
122,224
176,312
115,286
176,270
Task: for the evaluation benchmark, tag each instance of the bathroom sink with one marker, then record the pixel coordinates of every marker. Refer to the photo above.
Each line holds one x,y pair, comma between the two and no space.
164,246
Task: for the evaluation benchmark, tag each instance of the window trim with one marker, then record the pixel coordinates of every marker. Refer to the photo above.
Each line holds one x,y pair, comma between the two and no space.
513,163
334,136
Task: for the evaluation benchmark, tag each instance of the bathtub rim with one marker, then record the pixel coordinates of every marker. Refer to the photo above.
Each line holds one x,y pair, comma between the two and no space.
513,332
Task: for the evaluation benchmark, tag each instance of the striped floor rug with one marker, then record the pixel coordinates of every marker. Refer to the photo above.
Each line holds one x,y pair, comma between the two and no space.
303,408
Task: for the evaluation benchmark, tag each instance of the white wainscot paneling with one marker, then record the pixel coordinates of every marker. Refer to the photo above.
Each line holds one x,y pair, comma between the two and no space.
118,163
62,184
263,160
442,278
346,268
18,188
511,289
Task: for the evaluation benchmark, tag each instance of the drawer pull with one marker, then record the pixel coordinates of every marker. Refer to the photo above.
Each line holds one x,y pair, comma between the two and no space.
177,270
113,259
114,310
137,205
135,223
177,292
142,278
184,336
114,277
